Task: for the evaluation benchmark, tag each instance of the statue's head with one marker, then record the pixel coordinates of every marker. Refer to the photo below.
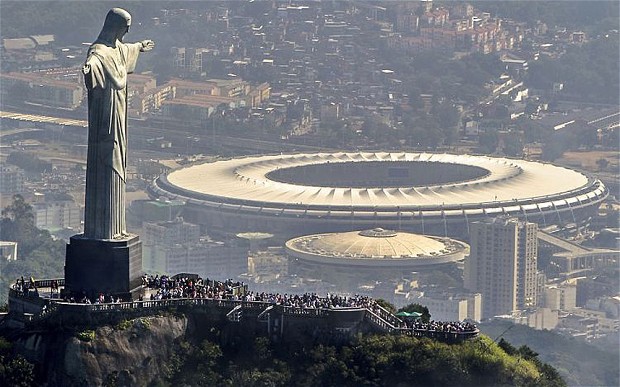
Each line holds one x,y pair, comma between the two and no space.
116,25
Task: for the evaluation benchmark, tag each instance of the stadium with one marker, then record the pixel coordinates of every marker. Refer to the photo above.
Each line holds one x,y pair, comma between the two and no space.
427,193
353,256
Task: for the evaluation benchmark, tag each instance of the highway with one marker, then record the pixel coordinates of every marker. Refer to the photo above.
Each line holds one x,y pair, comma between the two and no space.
35,118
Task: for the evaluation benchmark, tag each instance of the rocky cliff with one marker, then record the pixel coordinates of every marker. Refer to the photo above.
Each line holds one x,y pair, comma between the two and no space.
133,353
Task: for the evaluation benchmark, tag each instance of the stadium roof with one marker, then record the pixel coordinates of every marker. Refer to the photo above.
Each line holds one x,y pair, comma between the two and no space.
507,181
376,247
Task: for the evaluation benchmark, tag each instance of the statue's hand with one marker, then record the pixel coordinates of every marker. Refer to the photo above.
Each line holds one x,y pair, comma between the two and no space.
86,69
147,45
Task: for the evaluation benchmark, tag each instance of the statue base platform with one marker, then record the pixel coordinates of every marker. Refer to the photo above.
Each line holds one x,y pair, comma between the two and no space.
95,266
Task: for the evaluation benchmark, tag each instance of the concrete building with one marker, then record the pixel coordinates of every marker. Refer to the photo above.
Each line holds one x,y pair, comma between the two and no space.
156,210
54,215
577,326
151,100
47,91
452,307
268,264
502,265
164,248
142,89
189,59
177,247
560,297
206,258
543,318
170,233
11,180
196,108
540,318
8,251
574,260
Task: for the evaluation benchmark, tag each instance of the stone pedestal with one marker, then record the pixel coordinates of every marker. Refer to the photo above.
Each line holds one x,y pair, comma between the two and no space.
94,266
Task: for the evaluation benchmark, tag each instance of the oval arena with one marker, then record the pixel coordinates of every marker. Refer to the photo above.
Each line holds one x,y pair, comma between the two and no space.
428,193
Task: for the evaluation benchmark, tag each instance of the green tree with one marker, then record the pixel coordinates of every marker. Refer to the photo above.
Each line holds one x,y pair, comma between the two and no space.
532,130
559,142
507,347
448,118
513,145
16,371
488,141
386,305
209,353
40,256
18,224
602,163
426,315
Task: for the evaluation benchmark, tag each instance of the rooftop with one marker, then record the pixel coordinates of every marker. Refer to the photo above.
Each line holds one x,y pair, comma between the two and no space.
377,247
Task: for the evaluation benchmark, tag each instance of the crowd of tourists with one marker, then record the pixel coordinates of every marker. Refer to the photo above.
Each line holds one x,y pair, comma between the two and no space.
441,326
311,300
167,288
192,286
164,287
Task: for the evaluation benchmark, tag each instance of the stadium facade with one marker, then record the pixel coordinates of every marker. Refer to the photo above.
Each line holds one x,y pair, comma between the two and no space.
427,193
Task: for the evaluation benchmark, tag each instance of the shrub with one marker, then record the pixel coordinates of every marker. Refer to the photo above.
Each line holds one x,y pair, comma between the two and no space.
86,335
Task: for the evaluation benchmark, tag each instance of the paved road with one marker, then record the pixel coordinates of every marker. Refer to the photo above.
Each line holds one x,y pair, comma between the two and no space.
35,118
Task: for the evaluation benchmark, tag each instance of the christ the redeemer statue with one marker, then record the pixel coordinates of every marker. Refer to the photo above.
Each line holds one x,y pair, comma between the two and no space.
108,62
106,259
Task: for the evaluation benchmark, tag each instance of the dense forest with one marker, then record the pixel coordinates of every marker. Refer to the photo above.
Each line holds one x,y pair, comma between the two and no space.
380,360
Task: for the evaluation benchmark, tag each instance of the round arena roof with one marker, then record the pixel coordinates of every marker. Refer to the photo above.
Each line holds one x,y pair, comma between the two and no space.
376,247
382,185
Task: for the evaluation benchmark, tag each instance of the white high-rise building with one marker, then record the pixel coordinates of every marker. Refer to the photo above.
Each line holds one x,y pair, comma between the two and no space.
502,265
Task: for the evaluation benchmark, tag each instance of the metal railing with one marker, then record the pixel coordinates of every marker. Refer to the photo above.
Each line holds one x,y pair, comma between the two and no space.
378,316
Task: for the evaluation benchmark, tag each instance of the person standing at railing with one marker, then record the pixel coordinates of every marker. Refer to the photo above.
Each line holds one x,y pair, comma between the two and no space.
54,287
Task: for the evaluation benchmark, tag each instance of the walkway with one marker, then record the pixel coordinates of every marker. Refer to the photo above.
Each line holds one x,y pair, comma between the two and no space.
377,316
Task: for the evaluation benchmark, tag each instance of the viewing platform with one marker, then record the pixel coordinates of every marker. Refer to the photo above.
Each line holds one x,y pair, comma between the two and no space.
37,304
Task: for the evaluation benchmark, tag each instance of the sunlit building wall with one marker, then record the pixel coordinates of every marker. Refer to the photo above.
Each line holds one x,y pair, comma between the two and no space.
502,265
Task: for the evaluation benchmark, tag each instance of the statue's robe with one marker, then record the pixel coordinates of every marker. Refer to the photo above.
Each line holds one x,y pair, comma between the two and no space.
105,77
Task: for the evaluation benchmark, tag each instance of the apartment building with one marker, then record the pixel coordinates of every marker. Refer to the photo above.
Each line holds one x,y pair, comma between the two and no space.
11,180
502,265
57,214
34,88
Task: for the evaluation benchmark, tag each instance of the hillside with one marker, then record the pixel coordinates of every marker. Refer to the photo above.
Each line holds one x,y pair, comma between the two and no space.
579,363
178,350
